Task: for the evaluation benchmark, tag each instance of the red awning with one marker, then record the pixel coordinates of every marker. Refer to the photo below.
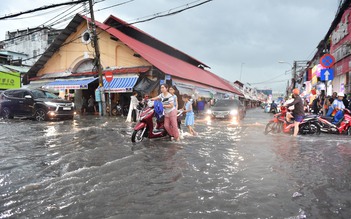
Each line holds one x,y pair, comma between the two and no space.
171,65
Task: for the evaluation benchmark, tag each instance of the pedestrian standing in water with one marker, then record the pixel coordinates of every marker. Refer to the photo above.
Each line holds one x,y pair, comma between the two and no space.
133,108
172,91
189,114
298,112
170,112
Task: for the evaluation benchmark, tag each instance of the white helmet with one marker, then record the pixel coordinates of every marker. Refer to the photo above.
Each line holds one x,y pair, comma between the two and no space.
340,94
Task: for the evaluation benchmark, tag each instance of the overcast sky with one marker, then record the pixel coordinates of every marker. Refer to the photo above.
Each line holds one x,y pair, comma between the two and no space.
235,38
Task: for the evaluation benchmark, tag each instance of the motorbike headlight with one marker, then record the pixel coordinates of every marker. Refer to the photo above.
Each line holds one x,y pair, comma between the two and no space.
209,111
234,112
51,104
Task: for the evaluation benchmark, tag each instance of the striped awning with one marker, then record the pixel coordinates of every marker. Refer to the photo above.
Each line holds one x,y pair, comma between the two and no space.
70,84
120,85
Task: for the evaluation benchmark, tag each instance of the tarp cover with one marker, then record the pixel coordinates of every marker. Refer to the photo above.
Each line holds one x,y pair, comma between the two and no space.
146,85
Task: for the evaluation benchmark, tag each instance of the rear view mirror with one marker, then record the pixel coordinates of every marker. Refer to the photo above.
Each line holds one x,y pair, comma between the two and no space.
28,97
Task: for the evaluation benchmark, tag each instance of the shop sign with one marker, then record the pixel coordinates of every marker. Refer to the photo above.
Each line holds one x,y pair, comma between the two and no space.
10,80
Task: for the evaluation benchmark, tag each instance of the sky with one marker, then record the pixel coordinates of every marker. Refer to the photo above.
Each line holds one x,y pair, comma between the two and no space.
238,40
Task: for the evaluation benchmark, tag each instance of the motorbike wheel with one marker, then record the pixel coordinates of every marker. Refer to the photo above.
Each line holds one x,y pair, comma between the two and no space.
348,132
311,128
271,127
137,136
316,128
114,112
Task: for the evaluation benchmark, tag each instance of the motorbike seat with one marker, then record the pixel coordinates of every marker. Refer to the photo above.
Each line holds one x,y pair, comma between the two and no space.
311,116
329,118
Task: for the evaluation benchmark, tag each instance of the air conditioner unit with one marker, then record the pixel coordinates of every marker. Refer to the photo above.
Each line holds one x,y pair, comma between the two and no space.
86,37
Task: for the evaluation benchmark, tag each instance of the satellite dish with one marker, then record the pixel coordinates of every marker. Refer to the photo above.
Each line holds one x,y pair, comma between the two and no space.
86,37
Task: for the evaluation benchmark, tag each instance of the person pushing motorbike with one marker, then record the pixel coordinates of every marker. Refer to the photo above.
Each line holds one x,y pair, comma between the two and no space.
298,112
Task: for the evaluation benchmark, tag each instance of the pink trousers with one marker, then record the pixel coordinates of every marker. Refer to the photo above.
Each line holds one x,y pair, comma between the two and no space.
171,124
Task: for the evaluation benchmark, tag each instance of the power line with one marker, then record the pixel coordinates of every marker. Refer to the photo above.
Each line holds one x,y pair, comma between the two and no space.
119,4
169,12
157,15
41,8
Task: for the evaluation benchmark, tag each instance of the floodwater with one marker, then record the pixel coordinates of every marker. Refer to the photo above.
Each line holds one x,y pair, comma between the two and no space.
88,168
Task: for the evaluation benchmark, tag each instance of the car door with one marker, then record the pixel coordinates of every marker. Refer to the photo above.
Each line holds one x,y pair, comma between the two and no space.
19,99
28,104
12,101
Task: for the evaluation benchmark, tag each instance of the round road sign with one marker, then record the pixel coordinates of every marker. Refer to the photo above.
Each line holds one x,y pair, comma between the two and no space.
327,60
108,76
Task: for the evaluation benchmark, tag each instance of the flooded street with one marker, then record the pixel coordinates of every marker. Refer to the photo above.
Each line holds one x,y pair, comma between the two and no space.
88,168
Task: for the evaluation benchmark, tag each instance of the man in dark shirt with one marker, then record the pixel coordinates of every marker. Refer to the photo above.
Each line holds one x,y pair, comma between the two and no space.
298,112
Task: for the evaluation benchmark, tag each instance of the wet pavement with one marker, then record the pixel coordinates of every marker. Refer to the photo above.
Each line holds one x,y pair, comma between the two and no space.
88,168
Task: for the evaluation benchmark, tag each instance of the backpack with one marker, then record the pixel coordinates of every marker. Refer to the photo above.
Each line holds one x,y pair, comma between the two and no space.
158,107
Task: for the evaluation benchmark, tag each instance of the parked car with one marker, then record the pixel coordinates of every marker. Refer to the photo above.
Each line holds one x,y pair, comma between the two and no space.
227,109
34,103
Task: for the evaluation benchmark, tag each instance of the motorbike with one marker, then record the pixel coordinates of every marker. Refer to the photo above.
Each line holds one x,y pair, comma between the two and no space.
145,127
340,127
309,124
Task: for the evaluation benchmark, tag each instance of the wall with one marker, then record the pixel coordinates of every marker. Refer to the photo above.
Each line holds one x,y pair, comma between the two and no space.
340,48
112,53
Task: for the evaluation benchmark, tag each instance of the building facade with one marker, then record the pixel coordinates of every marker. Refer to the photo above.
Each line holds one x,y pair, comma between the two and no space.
32,42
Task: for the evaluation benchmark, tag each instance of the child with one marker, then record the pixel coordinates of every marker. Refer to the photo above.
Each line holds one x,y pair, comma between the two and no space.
189,118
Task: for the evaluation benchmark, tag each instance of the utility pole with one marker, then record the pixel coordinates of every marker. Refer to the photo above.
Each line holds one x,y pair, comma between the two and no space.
102,108
294,76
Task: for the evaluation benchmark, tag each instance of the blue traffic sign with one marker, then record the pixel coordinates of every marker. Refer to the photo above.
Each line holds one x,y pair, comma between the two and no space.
327,60
327,74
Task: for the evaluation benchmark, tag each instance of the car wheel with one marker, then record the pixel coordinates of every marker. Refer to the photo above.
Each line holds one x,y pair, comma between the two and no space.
40,115
6,113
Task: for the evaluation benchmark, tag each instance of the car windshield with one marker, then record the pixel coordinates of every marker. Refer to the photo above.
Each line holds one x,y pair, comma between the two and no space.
225,103
43,94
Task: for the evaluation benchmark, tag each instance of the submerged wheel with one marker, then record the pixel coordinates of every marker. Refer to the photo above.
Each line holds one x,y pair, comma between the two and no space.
6,113
137,135
40,115
271,127
348,132
312,128
315,128
114,112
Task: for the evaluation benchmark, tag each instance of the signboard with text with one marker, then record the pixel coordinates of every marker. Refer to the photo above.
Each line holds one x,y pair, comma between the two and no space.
10,80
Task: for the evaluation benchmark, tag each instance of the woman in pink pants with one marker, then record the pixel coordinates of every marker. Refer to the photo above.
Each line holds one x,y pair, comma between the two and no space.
170,112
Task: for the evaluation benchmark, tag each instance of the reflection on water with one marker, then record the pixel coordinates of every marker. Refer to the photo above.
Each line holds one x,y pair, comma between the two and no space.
88,168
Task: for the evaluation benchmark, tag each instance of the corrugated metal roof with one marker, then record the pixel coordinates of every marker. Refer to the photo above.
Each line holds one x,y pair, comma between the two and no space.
169,64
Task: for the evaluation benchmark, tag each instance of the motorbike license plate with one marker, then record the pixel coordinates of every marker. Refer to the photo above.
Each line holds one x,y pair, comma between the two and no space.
66,108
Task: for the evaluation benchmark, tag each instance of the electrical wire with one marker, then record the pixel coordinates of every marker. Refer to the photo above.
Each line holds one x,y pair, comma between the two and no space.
147,18
42,8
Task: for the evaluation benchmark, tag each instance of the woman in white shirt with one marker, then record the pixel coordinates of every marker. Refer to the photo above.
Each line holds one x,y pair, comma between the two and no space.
170,112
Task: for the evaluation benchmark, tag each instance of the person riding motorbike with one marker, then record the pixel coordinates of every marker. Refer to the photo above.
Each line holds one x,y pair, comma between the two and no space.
298,112
273,107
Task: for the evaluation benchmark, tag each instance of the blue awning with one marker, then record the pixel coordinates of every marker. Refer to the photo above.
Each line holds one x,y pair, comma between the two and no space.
120,85
70,84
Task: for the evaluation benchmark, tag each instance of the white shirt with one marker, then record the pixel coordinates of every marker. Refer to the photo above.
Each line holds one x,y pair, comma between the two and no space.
169,101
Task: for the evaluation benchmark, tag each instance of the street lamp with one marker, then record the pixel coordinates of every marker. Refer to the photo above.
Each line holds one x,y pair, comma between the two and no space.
241,70
282,62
